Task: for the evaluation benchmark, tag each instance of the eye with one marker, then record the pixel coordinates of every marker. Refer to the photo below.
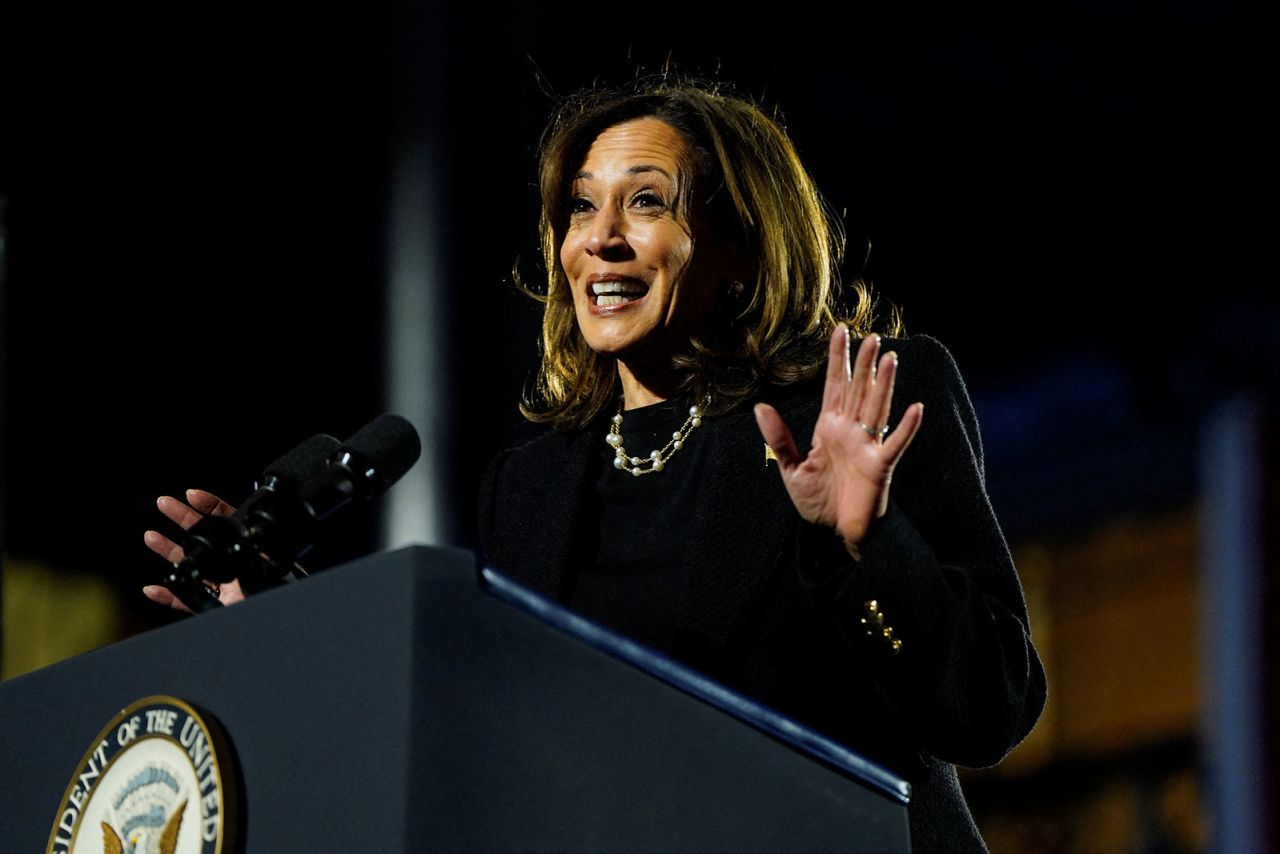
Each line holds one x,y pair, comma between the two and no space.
647,199
579,204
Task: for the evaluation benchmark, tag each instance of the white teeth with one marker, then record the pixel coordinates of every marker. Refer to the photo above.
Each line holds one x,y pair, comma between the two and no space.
617,288
613,299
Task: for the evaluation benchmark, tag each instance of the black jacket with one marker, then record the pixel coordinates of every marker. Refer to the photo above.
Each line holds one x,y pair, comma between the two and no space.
779,603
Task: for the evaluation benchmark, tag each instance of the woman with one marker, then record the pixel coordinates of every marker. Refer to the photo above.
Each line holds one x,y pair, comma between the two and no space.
868,591
864,588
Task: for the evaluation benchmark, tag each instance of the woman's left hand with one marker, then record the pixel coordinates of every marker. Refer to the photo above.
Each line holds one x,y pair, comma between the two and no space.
843,483
185,516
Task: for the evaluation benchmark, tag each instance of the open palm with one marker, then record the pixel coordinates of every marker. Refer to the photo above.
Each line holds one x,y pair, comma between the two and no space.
843,482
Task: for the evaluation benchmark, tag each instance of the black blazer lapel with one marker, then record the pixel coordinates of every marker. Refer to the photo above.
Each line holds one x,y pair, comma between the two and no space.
539,498
741,529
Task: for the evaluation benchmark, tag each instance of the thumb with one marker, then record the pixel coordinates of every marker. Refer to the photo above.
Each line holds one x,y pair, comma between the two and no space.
777,436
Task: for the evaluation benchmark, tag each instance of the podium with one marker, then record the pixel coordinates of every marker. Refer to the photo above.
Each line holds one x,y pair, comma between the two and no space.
411,701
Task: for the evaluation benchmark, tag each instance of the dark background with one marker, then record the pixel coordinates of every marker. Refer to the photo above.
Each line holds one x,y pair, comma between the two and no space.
197,229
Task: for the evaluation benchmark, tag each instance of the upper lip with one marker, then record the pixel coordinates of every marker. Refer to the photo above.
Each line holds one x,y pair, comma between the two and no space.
611,277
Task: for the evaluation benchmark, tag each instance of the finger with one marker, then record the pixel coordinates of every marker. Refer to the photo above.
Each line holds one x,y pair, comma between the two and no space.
163,596
778,436
863,374
178,512
896,443
231,592
875,409
208,503
163,546
838,370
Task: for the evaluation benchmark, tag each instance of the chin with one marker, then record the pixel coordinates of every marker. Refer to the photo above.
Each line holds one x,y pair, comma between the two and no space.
610,346
613,341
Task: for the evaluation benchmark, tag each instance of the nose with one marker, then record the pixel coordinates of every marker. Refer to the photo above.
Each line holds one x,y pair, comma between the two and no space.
608,236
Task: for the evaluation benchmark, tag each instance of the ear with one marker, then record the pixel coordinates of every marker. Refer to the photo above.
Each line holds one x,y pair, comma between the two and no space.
738,270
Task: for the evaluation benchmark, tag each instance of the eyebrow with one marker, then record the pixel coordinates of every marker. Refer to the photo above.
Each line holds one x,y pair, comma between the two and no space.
634,170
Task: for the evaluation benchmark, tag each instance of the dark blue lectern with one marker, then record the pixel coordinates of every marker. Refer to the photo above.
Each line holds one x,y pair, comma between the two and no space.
411,702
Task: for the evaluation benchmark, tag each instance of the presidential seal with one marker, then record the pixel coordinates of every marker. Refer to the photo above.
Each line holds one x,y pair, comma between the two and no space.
155,781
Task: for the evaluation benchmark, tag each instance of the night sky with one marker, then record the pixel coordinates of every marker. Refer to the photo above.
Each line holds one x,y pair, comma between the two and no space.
196,205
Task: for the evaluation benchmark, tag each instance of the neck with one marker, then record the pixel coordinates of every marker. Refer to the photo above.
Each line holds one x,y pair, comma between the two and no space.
645,387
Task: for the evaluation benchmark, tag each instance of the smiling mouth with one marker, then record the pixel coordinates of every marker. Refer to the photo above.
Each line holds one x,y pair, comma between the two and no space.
617,292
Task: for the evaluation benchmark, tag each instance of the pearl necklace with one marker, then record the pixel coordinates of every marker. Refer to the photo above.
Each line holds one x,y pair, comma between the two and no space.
657,460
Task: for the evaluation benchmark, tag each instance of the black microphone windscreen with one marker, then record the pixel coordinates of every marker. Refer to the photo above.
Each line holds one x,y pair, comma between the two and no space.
389,445
304,462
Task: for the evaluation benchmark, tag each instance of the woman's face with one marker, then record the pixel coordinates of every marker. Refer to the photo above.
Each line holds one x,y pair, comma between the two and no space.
639,286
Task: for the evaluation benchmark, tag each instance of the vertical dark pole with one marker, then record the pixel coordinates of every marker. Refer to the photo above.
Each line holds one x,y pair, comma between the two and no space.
4,418
1270,650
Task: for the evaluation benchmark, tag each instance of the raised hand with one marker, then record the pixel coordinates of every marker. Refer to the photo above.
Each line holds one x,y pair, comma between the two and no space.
199,504
843,483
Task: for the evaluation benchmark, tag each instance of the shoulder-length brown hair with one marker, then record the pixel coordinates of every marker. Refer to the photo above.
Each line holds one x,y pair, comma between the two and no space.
758,196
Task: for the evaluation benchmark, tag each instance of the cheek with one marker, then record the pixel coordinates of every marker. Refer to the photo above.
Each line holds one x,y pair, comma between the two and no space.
671,254
683,275
697,292
566,253
570,262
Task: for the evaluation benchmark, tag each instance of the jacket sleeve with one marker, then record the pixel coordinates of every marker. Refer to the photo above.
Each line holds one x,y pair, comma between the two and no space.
934,603
486,509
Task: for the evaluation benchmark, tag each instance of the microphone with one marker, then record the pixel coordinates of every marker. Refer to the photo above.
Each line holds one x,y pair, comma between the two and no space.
290,471
220,548
260,541
364,466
